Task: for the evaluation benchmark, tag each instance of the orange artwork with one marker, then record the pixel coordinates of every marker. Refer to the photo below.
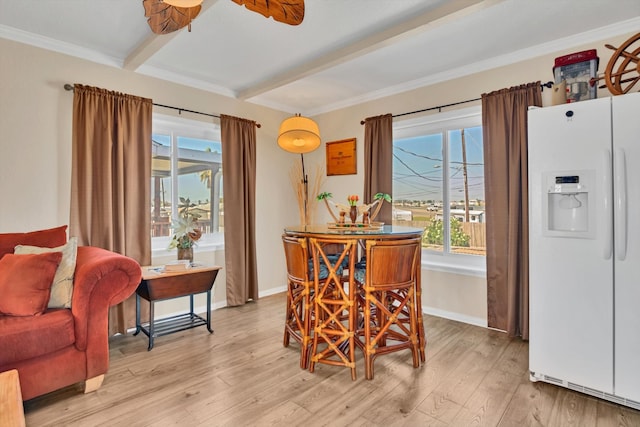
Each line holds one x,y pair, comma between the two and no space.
341,157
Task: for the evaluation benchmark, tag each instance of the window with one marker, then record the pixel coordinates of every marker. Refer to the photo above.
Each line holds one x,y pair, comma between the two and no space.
186,163
438,184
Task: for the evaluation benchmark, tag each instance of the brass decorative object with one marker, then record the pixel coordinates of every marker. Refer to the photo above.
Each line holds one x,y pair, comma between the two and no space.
623,69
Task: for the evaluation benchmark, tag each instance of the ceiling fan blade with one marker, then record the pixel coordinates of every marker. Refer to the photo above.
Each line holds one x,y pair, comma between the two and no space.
287,11
165,19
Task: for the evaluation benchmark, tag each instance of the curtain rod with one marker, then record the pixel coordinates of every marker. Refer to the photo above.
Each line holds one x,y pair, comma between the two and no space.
440,107
68,86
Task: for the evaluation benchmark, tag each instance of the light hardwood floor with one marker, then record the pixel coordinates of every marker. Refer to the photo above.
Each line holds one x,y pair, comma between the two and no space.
242,376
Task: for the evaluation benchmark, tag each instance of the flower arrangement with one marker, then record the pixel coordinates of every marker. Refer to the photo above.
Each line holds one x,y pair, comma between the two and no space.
185,233
353,199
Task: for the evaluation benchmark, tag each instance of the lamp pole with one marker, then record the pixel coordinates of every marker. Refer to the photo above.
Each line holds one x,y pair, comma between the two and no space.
305,183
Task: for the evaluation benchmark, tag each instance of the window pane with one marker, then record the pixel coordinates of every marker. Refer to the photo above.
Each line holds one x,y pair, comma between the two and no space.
466,191
199,179
161,185
417,186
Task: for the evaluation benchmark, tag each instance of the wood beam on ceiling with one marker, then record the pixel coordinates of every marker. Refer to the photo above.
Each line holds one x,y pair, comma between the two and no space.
152,44
447,12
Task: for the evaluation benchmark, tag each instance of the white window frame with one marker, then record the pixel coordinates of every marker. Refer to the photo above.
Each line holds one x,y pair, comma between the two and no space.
182,127
470,265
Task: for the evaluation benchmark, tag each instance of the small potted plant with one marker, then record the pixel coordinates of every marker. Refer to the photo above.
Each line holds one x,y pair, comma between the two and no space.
185,231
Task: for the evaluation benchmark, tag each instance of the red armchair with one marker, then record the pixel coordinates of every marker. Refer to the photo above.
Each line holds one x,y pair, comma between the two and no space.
64,346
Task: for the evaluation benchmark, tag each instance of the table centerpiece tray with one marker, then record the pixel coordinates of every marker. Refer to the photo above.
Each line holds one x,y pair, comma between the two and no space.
355,226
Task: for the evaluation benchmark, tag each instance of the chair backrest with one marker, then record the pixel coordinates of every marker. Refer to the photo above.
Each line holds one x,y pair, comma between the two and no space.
297,256
333,251
333,248
392,263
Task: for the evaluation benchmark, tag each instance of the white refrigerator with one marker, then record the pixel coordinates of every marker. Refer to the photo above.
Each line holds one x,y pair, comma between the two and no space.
584,247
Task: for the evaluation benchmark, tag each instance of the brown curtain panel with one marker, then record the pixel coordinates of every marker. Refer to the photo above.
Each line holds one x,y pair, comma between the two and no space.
110,179
504,121
378,156
239,187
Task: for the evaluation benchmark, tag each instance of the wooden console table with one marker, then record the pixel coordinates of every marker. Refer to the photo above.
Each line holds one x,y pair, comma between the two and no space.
158,285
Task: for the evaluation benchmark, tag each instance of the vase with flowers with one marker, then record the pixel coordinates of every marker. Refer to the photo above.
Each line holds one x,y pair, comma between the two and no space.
185,230
353,211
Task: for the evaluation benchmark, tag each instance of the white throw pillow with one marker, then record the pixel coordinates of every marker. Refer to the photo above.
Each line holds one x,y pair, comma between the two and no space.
62,287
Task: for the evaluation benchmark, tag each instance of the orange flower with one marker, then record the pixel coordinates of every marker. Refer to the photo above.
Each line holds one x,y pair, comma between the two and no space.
353,199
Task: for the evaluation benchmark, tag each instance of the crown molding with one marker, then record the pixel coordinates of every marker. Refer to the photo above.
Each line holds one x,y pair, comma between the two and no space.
47,43
174,77
591,36
558,45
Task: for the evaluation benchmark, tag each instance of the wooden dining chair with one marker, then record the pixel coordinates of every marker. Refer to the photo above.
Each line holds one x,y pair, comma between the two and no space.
334,305
389,281
300,292
299,285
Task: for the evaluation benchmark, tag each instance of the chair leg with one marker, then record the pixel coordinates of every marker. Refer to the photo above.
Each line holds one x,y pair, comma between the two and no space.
368,349
287,319
422,340
286,339
92,384
416,349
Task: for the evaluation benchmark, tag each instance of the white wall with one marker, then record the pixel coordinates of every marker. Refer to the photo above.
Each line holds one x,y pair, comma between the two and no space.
35,157
35,147
457,296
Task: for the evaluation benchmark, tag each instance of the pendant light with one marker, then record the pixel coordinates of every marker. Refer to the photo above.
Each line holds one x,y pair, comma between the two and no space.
299,134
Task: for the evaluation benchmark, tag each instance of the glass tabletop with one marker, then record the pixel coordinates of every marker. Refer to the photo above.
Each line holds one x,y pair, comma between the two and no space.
385,230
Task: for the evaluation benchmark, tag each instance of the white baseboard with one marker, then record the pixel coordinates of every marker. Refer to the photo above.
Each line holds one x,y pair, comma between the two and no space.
273,291
476,321
451,315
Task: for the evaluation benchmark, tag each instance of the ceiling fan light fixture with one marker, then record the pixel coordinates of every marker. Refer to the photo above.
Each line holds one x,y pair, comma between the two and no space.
299,135
183,3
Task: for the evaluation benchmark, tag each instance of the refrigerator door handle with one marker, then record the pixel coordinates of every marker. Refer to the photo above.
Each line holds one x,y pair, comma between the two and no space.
620,168
608,189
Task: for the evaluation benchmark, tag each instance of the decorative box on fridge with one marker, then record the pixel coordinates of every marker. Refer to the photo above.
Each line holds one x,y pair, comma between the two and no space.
577,70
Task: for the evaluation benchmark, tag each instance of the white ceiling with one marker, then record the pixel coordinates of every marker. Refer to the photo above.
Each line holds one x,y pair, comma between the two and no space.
345,51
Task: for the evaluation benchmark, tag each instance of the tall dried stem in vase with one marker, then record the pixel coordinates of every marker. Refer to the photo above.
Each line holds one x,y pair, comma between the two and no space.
314,189
295,176
314,183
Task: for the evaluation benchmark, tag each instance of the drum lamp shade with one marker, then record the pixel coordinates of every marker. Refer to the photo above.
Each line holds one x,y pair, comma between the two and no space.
299,135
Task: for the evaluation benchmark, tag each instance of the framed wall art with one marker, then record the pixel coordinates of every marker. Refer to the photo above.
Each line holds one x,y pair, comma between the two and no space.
341,157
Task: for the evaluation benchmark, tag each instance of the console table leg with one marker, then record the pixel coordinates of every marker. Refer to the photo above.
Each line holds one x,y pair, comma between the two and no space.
209,312
137,315
151,326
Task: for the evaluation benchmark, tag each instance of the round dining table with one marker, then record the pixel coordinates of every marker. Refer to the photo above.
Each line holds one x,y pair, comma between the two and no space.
353,238
358,232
